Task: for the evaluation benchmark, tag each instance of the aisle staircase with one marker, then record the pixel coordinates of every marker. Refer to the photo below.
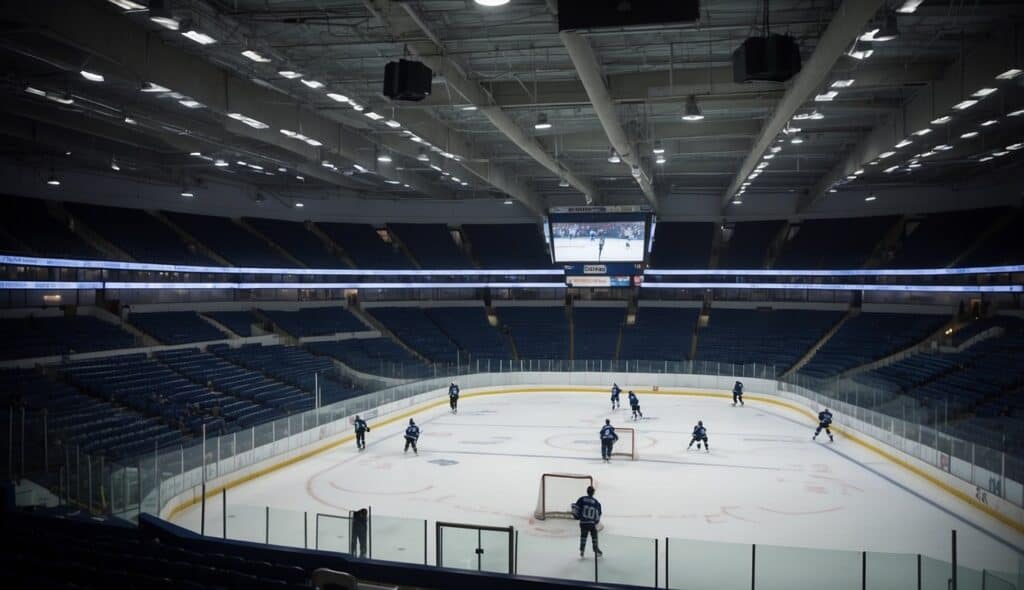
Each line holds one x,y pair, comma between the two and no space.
813,350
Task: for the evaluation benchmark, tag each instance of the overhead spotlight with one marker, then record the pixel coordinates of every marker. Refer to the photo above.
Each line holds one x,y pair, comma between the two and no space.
392,123
891,169
91,76
542,122
775,149
870,198
220,164
1010,74
492,4
989,123
922,132
983,92
300,204
373,116
563,182
942,120
885,155
693,112
969,135
659,159
796,139
189,103
312,84
385,158
187,194
289,74
1016,113
507,201
613,157
658,147
52,180
963,105
904,143
129,120
737,201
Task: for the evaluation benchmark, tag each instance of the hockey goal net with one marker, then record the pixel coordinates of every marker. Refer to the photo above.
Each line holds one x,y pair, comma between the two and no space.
558,492
626,445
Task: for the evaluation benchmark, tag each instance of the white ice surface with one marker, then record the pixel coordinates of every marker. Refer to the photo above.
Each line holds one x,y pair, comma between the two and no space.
763,482
586,250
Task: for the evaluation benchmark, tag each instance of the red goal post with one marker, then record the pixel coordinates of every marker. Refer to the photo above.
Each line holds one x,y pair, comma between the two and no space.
626,445
557,493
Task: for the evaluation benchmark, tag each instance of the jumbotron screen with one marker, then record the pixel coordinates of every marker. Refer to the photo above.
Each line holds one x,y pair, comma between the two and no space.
599,236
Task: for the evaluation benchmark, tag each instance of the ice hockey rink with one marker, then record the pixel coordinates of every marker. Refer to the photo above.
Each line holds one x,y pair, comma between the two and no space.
586,249
764,481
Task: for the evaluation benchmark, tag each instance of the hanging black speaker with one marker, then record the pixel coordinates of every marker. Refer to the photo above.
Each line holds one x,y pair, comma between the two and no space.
407,80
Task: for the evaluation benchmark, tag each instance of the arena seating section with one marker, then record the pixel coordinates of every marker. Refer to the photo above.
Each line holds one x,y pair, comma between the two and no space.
538,332
834,243
431,244
376,356
364,246
229,240
518,245
239,322
682,245
868,337
296,240
596,331
32,230
779,337
176,327
315,321
748,244
941,237
469,329
139,234
47,336
659,334
292,365
414,327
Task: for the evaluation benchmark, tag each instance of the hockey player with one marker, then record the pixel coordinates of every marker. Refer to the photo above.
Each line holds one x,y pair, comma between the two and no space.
615,395
588,511
634,404
361,429
824,421
608,439
453,397
412,434
737,393
600,247
700,435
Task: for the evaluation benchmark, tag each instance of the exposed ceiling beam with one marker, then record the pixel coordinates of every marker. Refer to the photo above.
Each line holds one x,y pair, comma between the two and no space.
405,21
846,25
589,69
974,70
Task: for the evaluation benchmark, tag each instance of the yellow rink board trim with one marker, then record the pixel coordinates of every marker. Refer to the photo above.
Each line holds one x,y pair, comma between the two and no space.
967,498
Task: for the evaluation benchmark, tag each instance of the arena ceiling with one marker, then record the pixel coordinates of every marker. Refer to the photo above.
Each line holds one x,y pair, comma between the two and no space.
171,107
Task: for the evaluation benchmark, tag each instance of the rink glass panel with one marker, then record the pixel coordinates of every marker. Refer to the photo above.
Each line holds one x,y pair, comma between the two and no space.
707,565
392,538
896,571
333,533
627,560
792,568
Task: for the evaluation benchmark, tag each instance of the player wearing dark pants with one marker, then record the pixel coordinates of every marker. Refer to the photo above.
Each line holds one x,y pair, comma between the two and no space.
824,421
412,434
361,429
453,397
588,511
608,439
615,395
700,435
634,404
359,518
737,393
600,247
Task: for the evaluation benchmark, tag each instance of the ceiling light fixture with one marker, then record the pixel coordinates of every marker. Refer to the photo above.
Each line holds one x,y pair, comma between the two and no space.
942,120
220,163
196,154
1015,146
199,37
60,98
248,121
52,180
860,54
289,74
885,155
969,135
986,159
35,91
965,104
127,5
563,182
870,198
312,84
945,147
190,103
613,157
359,168
187,194
392,123
357,107
923,132
989,123
542,122
507,201
385,158
659,159
469,107
337,97
1016,113
422,155
891,169
909,6
1010,74
113,164
658,147
796,139
300,204
129,120
904,143
154,87
492,4
256,57
373,116
91,76
843,83
692,111
983,92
